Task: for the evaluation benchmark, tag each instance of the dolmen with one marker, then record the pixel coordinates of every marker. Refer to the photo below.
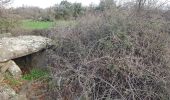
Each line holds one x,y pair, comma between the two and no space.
12,48
16,47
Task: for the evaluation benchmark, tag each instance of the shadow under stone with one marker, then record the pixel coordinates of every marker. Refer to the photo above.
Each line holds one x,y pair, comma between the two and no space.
35,60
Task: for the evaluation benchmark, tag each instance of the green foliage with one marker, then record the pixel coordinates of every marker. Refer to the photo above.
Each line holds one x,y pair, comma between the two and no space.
12,81
31,25
77,9
36,74
66,10
105,4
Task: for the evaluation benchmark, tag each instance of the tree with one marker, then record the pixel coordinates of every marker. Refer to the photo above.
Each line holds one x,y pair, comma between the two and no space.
146,5
7,19
64,10
77,9
68,10
4,2
140,4
106,4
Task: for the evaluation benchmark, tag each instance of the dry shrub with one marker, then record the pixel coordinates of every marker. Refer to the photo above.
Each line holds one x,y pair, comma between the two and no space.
8,20
111,55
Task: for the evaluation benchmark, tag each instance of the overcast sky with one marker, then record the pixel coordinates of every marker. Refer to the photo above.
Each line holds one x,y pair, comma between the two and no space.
48,3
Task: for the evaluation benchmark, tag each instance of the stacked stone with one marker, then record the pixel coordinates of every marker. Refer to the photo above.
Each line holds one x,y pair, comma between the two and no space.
12,68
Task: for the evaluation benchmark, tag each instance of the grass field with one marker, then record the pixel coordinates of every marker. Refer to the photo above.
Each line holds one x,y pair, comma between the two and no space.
29,24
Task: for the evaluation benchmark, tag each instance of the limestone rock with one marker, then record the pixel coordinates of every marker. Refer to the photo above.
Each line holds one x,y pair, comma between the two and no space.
14,69
4,96
1,77
19,97
6,92
4,66
15,47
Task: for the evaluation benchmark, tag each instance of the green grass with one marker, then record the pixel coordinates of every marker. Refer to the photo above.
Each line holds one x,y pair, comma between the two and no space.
29,24
11,80
36,74
61,23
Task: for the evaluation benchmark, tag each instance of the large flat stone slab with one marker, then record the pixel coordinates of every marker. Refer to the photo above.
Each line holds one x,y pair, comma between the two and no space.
15,47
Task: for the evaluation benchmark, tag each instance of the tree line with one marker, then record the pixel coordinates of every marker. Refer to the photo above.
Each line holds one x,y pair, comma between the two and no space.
65,11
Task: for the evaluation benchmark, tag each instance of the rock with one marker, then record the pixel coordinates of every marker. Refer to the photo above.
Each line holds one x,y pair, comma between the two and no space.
4,66
19,97
6,92
14,69
4,96
15,47
1,77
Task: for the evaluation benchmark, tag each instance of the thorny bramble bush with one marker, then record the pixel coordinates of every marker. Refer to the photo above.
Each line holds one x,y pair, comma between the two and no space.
111,55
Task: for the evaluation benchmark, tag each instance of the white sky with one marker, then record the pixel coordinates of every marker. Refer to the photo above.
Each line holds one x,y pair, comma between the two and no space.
48,3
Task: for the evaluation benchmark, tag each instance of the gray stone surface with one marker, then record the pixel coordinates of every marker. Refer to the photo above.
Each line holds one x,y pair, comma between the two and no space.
4,96
15,47
6,92
14,69
1,77
4,66
19,97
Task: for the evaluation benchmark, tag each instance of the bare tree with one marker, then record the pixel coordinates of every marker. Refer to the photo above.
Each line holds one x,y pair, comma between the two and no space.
4,2
140,4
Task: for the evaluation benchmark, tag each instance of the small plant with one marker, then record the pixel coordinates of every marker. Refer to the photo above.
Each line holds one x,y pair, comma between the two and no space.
36,74
16,84
12,81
